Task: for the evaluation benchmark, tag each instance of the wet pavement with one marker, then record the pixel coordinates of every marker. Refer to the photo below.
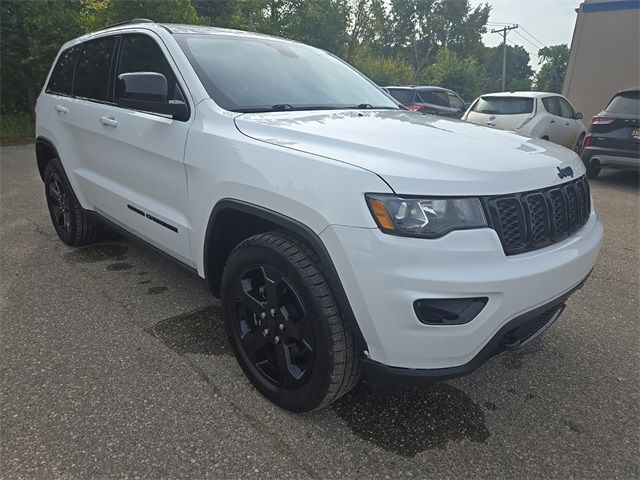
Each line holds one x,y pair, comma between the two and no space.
115,364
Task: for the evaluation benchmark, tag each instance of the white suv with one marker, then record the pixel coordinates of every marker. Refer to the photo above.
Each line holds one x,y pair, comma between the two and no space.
543,115
343,233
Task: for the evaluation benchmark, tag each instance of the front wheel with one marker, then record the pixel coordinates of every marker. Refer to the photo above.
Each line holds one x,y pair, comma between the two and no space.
284,324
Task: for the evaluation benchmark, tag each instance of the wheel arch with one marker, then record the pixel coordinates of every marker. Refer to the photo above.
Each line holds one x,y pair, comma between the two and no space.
45,151
232,221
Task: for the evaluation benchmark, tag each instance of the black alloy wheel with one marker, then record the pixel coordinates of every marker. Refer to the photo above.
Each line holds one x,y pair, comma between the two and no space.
272,326
72,223
284,324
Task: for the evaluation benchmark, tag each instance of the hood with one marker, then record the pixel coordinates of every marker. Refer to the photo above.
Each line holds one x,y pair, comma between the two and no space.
419,154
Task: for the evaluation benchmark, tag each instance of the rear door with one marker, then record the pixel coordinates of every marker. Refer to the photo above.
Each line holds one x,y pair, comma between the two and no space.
572,128
142,177
434,102
456,104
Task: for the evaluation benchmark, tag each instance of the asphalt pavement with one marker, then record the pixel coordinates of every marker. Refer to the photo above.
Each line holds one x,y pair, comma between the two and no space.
114,364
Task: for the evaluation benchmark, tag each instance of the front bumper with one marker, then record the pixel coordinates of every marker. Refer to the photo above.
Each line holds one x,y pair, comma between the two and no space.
384,274
534,323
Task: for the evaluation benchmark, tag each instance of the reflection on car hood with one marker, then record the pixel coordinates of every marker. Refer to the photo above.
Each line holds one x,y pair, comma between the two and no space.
419,154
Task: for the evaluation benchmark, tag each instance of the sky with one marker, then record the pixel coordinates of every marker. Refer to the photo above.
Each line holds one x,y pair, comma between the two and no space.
550,22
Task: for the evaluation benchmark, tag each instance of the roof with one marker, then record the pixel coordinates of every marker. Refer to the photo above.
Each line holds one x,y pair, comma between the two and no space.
416,87
173,29
520,94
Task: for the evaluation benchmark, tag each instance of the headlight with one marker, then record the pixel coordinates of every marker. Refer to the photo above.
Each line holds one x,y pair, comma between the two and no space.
425,217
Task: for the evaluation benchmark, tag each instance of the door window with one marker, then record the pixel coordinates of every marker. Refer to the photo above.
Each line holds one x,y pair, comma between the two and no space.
140,53
455,101
566,110
404,96
552,106
61,81
435,97
92,74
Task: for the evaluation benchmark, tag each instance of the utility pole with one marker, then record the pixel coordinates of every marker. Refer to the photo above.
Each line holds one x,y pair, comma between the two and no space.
504,31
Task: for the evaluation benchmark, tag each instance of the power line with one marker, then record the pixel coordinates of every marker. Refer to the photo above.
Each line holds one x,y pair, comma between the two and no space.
531,35
527,40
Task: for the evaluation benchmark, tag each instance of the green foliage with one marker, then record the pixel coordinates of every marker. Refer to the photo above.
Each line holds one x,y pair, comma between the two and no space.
16,128
519,71
383,70
554,61
463,75
391,41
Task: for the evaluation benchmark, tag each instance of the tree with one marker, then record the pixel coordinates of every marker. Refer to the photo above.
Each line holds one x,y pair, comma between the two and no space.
382,70
421,27
463,75
554,62
32,33
519,71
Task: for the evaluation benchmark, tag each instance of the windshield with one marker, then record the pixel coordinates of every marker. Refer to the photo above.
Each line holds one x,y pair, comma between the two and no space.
252,74
503,105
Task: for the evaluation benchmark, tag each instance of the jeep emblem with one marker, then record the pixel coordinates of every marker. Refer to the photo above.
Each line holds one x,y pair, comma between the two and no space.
565,172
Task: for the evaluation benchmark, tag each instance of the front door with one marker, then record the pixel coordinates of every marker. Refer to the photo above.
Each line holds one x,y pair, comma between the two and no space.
147,190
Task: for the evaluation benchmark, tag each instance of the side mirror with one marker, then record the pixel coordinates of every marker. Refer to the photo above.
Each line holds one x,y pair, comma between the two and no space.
578,116
148,92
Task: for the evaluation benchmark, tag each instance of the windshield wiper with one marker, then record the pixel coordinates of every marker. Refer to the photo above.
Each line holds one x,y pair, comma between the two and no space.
368,106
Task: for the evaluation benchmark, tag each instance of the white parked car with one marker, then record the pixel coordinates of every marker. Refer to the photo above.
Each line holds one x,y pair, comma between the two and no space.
342,233
542,115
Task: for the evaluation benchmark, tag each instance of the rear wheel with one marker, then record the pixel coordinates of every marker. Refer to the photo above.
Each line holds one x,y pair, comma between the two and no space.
71,222
284,325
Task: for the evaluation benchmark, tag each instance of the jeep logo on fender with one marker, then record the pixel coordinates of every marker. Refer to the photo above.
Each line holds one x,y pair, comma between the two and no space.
565,172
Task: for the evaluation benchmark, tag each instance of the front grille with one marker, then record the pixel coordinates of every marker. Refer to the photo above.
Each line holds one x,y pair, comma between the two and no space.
531,220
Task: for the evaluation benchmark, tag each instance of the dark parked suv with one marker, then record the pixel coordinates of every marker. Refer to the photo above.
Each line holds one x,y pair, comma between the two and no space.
435,100
613,139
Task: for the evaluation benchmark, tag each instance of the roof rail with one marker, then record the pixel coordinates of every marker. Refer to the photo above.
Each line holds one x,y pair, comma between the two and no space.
127,22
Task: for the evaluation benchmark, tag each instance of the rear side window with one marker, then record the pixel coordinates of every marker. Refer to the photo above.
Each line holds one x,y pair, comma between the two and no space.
434,97
404,96
455,101
552,106
140,53
92,74
627,102
504,105
61,81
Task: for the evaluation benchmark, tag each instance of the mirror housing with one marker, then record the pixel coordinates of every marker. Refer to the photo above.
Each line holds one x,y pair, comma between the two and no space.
148,92
578,116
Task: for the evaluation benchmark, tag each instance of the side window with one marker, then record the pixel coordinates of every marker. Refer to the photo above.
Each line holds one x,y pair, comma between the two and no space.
455,101
439,98
551,105
140,53
92,74
61,81
566,110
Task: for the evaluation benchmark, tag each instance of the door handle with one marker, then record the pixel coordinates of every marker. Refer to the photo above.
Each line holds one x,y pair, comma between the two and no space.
109,121
61,109
552,121
567,124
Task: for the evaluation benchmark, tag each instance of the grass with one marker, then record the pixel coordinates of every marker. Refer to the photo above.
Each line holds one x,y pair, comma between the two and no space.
16,129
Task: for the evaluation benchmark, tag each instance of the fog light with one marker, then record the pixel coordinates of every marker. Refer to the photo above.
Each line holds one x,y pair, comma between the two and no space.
448,311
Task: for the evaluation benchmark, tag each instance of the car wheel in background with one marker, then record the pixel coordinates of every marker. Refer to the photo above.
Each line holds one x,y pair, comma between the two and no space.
284,325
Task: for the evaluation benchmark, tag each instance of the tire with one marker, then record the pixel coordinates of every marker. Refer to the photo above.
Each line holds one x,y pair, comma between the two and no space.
69,219
578,146
284,324
593,171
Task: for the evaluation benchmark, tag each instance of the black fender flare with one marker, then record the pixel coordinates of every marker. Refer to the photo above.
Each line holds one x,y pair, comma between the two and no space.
298,229
48,144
